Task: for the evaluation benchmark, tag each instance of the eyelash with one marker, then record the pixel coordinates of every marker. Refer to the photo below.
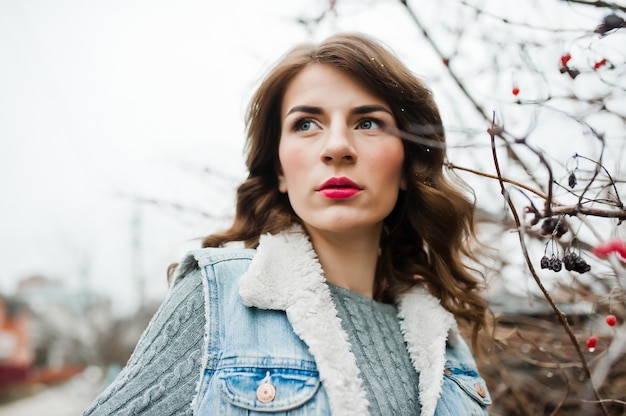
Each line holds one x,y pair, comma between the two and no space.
298,124
375,120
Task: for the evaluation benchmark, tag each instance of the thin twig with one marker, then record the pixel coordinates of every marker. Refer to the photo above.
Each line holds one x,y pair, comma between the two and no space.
598,164
606,401
598,3
537,363
507,180
557,208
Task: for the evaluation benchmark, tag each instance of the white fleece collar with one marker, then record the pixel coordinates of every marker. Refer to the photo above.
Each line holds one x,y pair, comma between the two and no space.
285,274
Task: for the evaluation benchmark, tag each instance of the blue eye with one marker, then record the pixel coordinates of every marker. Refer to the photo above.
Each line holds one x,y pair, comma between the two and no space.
305,125
369,124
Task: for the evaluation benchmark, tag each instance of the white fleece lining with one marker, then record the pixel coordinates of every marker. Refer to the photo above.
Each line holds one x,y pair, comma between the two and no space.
426,326
286,275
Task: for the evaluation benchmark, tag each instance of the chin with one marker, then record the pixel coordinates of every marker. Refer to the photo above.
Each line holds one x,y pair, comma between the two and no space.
344,226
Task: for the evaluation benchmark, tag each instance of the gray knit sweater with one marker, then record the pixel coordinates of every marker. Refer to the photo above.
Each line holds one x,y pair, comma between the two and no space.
389,378
161,375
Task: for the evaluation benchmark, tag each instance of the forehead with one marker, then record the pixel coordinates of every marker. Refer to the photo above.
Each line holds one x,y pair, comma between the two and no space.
326,86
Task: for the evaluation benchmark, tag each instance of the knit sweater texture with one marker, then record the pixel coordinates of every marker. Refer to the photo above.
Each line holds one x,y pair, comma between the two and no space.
160,377
389,378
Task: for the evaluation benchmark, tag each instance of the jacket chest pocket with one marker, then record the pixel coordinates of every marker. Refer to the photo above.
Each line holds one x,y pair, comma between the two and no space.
265,391
463,392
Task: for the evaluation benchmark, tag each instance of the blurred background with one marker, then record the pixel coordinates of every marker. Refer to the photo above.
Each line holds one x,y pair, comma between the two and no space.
121,144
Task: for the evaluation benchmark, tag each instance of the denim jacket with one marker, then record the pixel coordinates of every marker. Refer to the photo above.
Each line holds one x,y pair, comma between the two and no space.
274,343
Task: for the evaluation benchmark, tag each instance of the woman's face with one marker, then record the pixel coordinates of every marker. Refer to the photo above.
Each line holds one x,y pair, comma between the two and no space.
340,166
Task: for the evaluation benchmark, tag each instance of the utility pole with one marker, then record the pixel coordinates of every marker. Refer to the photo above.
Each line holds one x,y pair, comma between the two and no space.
137,269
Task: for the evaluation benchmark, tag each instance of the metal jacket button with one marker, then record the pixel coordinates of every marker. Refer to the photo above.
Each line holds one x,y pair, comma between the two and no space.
266,392
480,390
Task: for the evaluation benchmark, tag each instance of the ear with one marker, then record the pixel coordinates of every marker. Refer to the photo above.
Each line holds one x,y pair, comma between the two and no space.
403,183
282,184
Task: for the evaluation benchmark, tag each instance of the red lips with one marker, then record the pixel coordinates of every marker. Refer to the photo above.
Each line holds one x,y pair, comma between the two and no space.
339,188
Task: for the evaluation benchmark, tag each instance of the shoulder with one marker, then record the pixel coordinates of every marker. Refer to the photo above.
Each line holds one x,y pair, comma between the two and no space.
208,257
212,255
458,352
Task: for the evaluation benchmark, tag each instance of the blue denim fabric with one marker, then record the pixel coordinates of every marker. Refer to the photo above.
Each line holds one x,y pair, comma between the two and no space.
248,346
459,395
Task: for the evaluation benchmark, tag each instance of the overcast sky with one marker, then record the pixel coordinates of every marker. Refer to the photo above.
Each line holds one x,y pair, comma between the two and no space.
106,105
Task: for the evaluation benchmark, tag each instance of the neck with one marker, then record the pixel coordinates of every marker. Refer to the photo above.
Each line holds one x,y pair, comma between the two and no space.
348,260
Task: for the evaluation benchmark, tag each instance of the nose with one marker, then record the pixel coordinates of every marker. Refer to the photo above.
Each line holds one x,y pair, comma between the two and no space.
338,147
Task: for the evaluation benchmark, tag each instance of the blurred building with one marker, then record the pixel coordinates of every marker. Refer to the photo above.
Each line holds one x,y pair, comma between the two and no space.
66,323
48,333
16,349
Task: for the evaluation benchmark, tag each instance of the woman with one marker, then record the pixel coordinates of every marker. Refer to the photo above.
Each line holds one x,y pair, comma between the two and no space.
344,299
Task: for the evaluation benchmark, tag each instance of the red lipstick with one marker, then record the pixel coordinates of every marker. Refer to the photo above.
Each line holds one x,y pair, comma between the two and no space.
339,188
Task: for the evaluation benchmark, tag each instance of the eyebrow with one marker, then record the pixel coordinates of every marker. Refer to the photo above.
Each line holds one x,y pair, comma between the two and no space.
305,109
364,109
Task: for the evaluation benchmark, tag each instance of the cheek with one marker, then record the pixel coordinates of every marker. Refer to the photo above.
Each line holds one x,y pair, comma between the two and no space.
291,161
390,159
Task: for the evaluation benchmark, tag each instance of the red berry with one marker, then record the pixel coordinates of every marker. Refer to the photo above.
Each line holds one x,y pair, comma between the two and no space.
599,64
515,90
592,341
611,320
565,59
603,250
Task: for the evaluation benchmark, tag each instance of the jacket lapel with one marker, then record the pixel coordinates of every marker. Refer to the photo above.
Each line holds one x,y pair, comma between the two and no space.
286,275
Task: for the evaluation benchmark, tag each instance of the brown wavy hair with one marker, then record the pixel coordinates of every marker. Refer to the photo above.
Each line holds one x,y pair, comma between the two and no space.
428,232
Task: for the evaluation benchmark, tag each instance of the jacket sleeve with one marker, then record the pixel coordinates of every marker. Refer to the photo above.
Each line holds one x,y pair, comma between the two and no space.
162,374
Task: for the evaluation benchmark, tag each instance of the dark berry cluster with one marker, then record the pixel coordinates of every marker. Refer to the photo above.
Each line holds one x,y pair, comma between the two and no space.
553,263
573,262
554,226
